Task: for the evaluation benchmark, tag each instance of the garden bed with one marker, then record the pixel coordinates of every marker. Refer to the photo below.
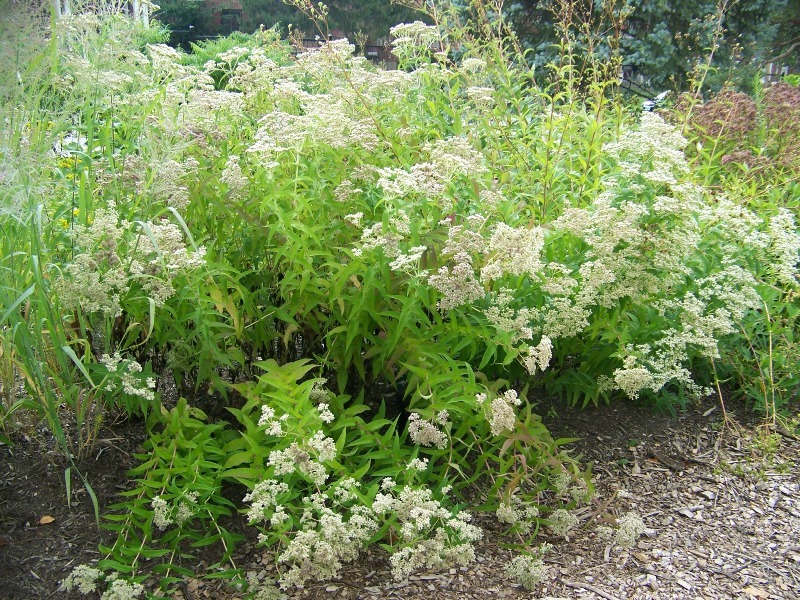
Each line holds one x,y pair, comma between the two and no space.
360,283
722,508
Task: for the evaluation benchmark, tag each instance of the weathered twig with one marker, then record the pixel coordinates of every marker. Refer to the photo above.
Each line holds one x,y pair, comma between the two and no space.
591,588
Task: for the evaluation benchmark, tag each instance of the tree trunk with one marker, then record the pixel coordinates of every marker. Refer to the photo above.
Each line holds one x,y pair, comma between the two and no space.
143,13
62,8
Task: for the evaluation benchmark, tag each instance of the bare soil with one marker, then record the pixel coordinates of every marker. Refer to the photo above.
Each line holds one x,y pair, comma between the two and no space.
721,505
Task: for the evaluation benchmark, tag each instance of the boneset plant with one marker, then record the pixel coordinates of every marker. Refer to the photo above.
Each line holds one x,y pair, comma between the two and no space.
745,146
449,230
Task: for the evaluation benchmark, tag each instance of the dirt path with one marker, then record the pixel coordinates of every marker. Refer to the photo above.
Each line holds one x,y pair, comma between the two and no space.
721,507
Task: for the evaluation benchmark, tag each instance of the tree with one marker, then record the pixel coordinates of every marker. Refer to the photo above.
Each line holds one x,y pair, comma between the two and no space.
370,17
183,14
664,43
138,9
785,46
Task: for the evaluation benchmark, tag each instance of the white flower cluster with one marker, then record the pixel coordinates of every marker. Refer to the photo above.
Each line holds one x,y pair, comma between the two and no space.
328,61
354,219
299,458
633,377
447,159
785,247
561,522
86,580
211,113
529,571
700,320
414,40
481,95
465,238
507,319
233,55
426,433
330,535
119,589
374,236
654,143
161,512
619,250
422,179
273,426
325,122
233,177
126,371
264,589
501,413
561,482
161,256
407,262
733,225
319,394
82,577
325,414
776,245
457,284
167,180
537,357
96,278
519,514
630,528
165,60
264,501
473,65
82,284
345,193
513,251
253,75
165,515
636,248
433,537
103,268
377,86
418,464
325,543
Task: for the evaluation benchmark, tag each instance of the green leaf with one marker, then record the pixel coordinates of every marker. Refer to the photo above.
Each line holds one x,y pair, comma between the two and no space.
341,441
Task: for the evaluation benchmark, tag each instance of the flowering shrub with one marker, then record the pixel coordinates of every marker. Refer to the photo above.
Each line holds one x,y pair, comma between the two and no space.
294,233
747,147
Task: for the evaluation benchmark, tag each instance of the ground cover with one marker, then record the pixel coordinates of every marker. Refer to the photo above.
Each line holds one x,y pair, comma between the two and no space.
721,507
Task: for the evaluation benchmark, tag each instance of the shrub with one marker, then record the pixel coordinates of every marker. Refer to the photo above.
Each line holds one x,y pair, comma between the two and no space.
293,235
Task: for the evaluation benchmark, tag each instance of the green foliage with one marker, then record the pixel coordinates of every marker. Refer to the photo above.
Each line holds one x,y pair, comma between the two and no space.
661,43
177,505
180,15
748,148
370,271
370,17
785,26
228,52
